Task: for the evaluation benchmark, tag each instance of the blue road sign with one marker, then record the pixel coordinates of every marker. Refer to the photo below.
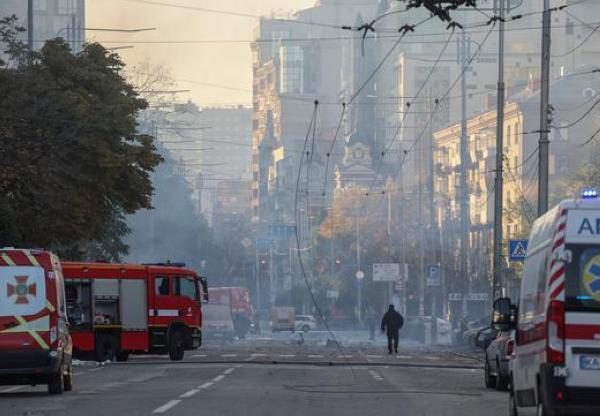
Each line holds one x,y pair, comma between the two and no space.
433,275
517,249
282,230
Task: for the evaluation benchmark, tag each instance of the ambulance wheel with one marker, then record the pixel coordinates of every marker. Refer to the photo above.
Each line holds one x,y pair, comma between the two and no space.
513,410
68,378
56,382
176,346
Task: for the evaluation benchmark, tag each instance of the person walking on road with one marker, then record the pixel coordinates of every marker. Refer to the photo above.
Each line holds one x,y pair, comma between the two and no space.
392,322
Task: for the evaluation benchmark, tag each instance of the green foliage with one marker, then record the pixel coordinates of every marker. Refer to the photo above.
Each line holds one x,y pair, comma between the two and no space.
72,162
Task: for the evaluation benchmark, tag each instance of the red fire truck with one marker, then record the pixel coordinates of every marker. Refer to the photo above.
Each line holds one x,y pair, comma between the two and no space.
238,298
119,309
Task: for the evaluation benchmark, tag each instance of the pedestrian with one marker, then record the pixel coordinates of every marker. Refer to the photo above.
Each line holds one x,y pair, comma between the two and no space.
392,322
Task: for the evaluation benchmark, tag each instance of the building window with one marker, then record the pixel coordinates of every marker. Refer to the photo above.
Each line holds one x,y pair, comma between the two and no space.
292,69
516,165
508,136
516,133
67,7
562,164
40,5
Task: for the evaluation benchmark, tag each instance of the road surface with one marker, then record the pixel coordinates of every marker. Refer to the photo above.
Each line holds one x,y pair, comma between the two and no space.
286,380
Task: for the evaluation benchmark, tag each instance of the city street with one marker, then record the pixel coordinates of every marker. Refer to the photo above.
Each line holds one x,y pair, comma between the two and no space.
237,380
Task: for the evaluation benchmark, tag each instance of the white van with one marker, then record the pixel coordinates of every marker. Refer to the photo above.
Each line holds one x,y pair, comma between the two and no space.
556,361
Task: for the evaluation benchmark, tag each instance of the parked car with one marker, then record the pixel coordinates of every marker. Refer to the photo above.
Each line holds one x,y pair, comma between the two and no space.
305,323
497,357
484,337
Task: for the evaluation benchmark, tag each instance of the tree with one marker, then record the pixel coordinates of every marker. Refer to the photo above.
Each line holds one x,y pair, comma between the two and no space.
73,164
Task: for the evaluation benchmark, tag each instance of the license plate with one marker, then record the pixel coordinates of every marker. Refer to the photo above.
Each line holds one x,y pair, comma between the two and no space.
587,362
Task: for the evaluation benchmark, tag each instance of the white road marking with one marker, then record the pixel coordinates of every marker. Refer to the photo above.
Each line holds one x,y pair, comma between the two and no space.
344,356
96,369
404,357
287,355
218,378
206,385
200,355
374,356
315,356
11,389
189,394
228,371
167,406
228,355
258,355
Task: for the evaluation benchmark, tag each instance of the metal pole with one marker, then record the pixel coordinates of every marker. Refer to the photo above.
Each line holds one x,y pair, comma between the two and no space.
30,24
359,282
464,161
258,300
432,237
544,143
499,191
271,291
421,275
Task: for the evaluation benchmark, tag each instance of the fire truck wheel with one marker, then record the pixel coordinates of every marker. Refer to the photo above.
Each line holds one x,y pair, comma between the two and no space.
122,356
105,348
56,382
176,346
68,379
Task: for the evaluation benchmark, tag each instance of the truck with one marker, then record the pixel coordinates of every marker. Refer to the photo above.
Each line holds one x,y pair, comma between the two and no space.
283,318
238,299
217,321
555,363
35,345
120,309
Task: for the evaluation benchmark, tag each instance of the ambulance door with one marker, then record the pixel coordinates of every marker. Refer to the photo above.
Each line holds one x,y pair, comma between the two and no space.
582,316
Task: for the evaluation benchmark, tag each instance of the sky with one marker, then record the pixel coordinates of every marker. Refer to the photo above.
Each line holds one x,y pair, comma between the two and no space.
223,64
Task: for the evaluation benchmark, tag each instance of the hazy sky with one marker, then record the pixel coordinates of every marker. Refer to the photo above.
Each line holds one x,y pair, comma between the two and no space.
217,63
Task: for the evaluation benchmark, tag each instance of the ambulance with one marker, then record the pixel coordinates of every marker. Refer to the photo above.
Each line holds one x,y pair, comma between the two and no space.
35,345
555,367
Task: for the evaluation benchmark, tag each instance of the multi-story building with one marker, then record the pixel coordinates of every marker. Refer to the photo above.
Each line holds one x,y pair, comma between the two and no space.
573,96
51,19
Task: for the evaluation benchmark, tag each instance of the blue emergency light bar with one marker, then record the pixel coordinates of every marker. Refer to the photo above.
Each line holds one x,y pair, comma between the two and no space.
589,193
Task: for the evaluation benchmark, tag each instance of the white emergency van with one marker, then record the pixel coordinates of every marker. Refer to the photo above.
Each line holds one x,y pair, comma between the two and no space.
555,368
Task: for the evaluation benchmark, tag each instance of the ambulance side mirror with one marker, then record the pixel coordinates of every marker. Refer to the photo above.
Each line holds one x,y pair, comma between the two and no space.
503,315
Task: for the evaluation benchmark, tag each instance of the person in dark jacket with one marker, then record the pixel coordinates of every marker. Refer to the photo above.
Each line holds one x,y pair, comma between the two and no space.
392,322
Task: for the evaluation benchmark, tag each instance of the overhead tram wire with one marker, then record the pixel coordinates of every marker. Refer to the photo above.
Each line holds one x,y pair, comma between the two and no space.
301,262
403,32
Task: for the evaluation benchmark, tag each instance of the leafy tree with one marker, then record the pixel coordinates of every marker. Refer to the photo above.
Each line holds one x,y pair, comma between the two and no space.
73,164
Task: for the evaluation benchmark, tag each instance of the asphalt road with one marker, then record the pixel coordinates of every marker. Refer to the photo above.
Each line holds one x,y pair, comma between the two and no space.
304,381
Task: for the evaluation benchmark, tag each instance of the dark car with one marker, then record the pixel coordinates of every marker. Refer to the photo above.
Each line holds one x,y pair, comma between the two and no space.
497,357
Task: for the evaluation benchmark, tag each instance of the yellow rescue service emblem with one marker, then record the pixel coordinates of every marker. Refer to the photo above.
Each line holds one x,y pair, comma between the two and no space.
591,277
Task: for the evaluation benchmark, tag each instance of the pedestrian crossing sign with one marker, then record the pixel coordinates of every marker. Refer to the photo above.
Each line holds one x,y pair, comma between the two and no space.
517,250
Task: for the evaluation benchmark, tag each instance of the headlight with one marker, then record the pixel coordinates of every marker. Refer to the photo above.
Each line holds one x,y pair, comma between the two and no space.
53,354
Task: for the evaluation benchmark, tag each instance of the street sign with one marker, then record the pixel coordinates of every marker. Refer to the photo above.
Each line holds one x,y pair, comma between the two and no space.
333,294
386,272
517,250
477,297
399,286
455,296
246,242
360,275
263,243
433,275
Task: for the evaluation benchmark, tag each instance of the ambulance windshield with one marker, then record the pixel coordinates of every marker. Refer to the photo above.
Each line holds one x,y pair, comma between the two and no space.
22,291
583,278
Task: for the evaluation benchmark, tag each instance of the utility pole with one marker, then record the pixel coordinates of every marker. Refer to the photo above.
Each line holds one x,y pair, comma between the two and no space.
431,185
421,240
498,190
30,24
544,143
465,214
359,271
